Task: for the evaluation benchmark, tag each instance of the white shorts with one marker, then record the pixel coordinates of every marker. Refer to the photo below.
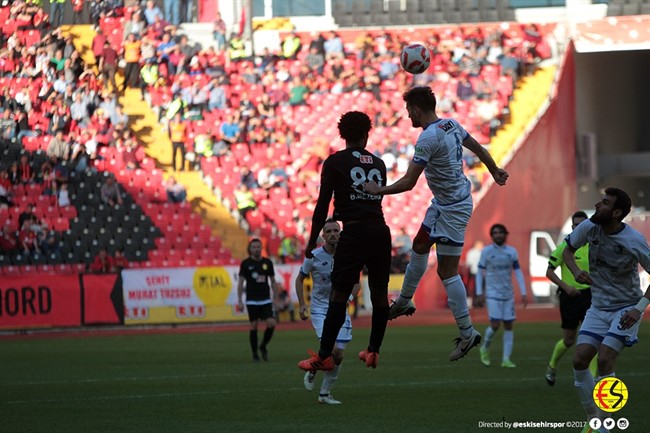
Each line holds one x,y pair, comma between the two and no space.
601,327
345,334
499,309
446,225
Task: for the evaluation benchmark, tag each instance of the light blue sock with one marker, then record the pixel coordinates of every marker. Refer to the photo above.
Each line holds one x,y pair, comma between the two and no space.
457,300
584,383
487,338
414,272
508,341
329,378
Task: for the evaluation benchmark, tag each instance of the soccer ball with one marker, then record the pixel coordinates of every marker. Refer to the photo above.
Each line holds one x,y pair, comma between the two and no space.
415,58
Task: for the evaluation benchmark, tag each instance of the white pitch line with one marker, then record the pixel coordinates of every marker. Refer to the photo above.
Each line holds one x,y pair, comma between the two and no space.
275,389
122,379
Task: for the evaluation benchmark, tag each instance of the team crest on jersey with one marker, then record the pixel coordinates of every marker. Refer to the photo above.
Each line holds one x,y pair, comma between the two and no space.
618,249
265,266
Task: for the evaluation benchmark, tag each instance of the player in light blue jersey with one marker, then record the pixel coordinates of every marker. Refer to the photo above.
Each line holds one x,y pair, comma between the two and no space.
617,301
320,268
494,286
438,153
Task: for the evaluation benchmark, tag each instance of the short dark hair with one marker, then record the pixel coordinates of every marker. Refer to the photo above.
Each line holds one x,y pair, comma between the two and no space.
501,227
252,241
580,214
623,201
354,125
421,97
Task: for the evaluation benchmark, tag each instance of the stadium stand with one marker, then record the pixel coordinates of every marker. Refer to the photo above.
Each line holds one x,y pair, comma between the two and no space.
288,146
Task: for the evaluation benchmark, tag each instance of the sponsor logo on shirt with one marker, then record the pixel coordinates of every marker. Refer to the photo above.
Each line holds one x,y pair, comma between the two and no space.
447,126
365,159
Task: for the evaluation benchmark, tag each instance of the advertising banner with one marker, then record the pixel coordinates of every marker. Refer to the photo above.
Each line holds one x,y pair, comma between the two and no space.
183,295
102,299
34,301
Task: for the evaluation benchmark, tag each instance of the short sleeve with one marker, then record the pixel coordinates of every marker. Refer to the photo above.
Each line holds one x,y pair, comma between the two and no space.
579,236
307,266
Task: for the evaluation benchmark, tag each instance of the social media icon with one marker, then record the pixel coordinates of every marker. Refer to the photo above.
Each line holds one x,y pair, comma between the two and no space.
595,423
609,423
622,423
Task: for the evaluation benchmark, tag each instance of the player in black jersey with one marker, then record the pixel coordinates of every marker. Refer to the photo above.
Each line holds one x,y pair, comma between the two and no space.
257,271
365,239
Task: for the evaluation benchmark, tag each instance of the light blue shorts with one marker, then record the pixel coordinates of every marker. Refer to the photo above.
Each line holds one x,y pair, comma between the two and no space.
499,309
345,334
601,327
446,225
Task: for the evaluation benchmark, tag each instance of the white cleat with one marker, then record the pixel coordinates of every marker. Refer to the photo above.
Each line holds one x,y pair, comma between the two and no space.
463,345
308,381
397,310
327,399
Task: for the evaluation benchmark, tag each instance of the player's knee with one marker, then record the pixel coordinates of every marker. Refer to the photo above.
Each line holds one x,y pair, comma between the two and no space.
339,296
379,299
569,341
445,272
580,361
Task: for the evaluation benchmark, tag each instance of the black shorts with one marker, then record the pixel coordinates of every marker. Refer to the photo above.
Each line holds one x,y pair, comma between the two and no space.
573,309
260,312
362,244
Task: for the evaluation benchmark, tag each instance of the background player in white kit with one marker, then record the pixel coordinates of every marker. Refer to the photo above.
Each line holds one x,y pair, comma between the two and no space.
439,153
617,301
494,285
320,268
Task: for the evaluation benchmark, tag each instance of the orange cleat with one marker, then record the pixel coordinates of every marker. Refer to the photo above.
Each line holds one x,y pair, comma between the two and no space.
370,358
317,363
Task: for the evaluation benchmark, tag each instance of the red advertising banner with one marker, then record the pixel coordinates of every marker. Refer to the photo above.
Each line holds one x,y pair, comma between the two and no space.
34,301
98,304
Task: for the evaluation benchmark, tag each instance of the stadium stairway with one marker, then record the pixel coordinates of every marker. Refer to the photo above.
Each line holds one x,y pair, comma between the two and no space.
151,135
527,99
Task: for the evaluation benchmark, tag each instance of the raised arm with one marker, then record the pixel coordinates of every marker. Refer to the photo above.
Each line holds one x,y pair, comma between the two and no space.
405,183
500,175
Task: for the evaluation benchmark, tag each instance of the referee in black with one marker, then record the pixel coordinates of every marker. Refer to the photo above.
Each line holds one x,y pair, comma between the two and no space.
257,271
365,239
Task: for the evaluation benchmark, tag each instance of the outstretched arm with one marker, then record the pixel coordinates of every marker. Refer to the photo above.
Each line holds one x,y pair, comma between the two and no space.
320,212
500,175
406,183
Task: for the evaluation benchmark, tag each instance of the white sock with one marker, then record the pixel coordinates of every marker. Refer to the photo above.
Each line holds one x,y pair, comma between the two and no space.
584,383
508,341
329,379
414,272
487,338
457,301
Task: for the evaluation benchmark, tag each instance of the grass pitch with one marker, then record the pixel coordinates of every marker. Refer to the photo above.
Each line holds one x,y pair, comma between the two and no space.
206,382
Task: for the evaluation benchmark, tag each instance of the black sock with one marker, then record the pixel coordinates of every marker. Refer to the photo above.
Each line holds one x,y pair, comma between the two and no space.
252,336
333,322
379,322
268,333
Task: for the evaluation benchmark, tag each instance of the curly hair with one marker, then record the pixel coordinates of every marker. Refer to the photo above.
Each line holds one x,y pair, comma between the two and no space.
354,125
